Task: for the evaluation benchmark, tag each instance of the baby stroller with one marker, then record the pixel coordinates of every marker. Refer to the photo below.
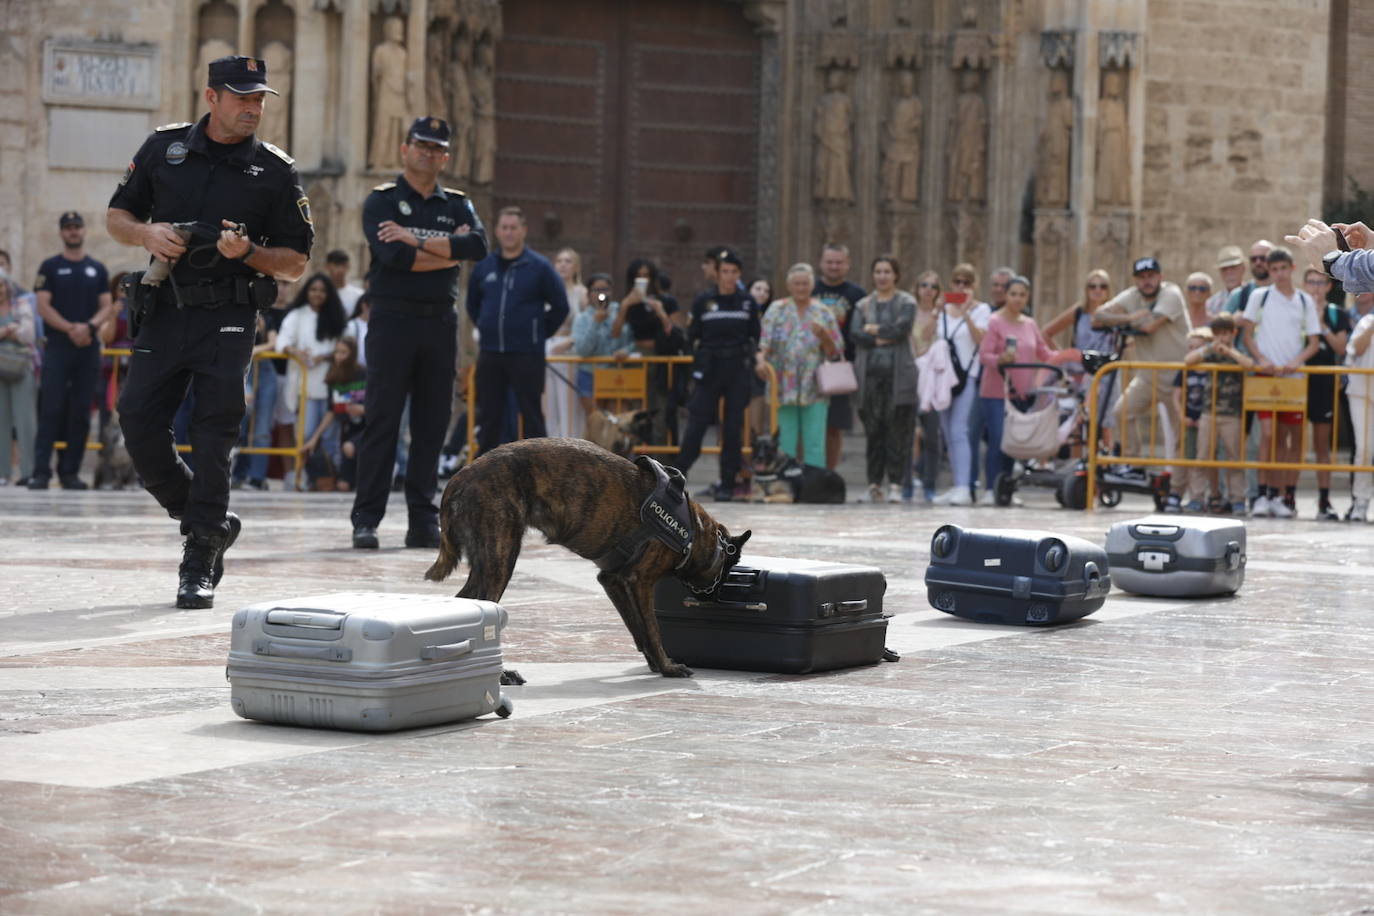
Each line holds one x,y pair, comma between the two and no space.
1040,425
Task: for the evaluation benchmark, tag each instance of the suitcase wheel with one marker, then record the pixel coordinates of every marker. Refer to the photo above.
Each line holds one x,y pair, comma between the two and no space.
505,707
890,656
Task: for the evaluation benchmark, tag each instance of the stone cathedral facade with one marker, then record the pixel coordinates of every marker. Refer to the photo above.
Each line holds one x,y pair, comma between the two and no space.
1053,136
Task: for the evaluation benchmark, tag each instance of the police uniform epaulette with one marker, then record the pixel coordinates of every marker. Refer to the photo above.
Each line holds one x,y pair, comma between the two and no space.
460,193
177,126
386,186
278,152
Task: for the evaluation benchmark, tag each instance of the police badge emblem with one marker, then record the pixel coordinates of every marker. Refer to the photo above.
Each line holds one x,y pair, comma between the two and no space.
176,153
404,207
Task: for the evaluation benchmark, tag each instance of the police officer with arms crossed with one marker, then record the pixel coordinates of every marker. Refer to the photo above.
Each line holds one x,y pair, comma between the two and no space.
725,327
418,232
196,329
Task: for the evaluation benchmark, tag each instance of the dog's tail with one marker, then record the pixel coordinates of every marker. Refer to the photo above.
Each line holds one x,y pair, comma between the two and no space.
449,555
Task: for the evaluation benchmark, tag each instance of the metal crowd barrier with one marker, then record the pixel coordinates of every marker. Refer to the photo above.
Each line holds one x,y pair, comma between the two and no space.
119,353
628,381
1261,394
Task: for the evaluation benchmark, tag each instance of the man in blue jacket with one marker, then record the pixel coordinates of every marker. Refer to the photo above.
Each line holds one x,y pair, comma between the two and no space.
517,301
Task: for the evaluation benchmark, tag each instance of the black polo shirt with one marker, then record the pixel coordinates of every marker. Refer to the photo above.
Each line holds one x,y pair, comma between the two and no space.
179,175
76,288
724,321
437,216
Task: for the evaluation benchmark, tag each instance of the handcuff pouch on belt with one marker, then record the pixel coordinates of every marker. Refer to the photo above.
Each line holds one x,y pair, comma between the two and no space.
665,515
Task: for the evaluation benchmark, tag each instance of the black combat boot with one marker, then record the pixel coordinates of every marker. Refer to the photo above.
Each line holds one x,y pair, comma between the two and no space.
233,526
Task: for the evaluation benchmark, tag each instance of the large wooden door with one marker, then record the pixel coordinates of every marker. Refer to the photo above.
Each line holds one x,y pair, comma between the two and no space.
628,128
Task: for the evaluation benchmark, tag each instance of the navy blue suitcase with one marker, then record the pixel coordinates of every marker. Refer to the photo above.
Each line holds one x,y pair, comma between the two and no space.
779,615
1026,578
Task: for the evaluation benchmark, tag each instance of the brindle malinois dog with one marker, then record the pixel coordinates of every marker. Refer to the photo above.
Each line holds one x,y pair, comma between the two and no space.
598,505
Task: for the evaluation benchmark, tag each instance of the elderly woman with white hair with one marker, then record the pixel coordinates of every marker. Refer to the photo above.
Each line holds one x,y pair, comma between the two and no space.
1196,293
799,333
18,406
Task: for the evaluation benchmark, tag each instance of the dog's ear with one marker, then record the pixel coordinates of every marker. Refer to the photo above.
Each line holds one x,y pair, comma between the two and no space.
739,540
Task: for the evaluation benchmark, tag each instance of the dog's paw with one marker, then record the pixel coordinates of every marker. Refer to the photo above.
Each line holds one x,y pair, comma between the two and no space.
673,669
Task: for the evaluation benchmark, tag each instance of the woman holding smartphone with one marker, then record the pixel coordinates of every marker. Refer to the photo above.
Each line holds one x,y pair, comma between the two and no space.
887,378
961,323
1012,337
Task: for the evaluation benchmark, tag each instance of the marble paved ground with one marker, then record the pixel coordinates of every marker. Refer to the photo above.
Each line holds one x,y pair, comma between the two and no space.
1160,757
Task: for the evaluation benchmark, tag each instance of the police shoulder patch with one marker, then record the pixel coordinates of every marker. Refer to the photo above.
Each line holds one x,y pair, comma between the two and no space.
385,186
176,126
457,191
278,152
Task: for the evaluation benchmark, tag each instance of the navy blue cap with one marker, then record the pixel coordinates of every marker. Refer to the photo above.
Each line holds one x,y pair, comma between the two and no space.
430,130
1143,264
70,218
240,75
724,255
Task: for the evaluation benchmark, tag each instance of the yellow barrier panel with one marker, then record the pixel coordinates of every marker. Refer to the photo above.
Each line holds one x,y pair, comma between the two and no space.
620,383
1262,393
643,362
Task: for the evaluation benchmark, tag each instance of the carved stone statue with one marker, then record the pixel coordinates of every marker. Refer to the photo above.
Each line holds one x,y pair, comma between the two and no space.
902,143
968,148
1056,145
210,49
460,98
276,110
390,105
1113,142
834,136
436,71
484,114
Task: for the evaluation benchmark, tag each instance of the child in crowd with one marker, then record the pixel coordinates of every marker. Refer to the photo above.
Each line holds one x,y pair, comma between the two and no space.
1219,430
347,381
1192,387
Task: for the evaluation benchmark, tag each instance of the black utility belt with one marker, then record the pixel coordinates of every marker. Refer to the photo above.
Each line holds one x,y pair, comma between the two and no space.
411,306
255,292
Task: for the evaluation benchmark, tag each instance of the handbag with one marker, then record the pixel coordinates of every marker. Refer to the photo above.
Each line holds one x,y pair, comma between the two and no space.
1032,433
15,362
836,377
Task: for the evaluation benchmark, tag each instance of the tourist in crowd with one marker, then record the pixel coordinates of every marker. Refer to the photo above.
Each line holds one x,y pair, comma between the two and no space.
1197,292
655,326
886,370
798,334
1219,431
923,333
313,324
599,330
962,324
1333,325
347,381
261,389
18,401
1282,331
761,290
1360,390
1012,337
838,294
357,326
562,414
336,265
114,334
1191,386
1231,267
1078,320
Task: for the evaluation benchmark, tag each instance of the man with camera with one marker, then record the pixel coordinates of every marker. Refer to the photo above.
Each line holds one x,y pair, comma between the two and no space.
196,328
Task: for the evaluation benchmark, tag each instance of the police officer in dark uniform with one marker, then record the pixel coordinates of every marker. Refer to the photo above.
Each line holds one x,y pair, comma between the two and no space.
418,231
195,329
724,328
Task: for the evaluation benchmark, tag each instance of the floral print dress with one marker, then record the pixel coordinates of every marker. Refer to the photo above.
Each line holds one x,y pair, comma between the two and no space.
790,345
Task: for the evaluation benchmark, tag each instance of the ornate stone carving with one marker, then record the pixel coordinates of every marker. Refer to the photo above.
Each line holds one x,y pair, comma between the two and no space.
904,50
1116,50
1056,145
1057,49
970,48
766,15
1113,142
834,131
275,125
1111,236
1051,257
437,71
901,12
968,147
390,105
902,143
484,114
461,104
837,12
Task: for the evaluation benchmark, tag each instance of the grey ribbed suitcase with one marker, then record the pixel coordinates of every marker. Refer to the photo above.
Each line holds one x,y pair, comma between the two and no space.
1171,556
367,661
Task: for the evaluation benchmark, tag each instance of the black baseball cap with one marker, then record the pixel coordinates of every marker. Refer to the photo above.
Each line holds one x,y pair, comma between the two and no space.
1143,264
70,218
240,75
724,255
430,130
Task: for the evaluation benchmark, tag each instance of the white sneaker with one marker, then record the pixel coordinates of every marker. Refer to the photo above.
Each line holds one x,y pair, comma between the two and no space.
875,493
1279,509
988,498
954,496
1263,508
894,492
1359,512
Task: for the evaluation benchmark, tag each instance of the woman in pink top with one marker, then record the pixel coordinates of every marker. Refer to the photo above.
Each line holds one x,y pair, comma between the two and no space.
1012,337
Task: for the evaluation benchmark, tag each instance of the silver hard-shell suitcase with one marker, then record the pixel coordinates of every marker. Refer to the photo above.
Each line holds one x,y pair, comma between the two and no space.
367,661
1174,556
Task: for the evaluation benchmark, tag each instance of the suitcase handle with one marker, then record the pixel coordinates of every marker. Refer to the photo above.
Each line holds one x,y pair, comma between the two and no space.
720,602
442,653
857,606
318,620
286,650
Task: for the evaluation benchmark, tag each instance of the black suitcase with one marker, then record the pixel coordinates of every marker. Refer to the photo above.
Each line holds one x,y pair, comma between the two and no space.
1027,578
779,615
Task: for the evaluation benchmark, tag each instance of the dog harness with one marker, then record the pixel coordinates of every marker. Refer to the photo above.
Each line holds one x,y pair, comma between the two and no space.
665,516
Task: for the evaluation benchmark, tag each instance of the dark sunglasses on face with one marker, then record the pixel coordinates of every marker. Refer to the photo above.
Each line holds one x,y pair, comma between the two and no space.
927,286
1199,289
958,281
1258,258
1097,286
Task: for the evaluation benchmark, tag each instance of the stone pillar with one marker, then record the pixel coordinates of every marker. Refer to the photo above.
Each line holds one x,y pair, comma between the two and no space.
1116,153
967,157
1053,271
769,18
831,169
901,146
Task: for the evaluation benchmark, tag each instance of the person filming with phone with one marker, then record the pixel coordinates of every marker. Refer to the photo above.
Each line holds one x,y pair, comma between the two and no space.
961,324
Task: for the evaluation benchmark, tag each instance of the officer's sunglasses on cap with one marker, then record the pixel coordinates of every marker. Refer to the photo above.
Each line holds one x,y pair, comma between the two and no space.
428,147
